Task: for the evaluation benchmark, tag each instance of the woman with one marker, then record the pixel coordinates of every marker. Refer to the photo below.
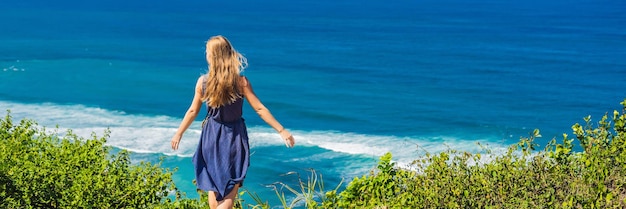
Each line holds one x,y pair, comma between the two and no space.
222,157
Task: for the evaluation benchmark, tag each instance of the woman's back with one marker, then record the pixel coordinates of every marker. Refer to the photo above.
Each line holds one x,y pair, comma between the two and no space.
228,113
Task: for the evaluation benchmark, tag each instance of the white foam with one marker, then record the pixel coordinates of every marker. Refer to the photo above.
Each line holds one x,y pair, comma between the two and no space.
13,68
137,133
404,149
152,134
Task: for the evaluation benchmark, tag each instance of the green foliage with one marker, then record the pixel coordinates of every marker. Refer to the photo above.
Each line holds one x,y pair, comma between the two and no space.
307,193
557,177
42,169
377,189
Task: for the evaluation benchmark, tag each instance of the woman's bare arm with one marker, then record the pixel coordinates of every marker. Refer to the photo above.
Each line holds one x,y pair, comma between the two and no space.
190,115
264,113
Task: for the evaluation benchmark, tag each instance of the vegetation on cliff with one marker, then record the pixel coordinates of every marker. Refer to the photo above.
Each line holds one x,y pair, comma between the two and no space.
46,169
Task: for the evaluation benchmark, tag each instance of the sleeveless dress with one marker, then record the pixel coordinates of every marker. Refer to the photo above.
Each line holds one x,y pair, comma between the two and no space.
223,155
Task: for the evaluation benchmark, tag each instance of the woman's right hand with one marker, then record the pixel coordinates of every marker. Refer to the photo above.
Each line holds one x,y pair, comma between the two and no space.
289,140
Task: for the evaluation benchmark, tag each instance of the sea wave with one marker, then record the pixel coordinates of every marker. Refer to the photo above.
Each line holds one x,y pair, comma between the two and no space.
152,133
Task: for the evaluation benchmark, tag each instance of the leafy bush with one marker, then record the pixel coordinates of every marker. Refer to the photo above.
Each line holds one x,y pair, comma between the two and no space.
42,169
557,177
46,170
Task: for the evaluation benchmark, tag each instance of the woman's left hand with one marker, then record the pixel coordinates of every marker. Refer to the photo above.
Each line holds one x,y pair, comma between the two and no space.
175,141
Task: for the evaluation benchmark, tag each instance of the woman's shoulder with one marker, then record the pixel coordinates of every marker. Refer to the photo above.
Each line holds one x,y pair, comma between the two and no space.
243,81
200,83
202,79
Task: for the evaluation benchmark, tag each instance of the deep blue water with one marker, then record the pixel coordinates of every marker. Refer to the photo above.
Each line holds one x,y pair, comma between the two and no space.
351,79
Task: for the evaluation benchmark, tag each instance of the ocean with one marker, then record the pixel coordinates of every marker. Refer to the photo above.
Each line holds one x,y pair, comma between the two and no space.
351,79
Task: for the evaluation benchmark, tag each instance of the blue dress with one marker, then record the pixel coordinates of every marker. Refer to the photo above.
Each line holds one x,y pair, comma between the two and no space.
223,154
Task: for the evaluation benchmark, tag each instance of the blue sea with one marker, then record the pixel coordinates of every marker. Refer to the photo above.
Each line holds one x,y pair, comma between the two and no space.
351,79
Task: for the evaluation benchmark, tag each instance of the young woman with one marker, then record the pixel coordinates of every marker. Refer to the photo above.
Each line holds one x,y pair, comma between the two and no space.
222,157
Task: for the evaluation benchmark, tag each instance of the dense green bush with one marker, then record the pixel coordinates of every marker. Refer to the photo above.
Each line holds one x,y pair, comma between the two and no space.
557,177
39,169
47,169
43,169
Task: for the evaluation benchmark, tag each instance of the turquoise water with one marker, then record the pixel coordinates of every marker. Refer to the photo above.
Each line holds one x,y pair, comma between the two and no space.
351,79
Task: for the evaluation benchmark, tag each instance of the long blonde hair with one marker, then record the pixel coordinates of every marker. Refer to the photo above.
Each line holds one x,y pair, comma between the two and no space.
225,66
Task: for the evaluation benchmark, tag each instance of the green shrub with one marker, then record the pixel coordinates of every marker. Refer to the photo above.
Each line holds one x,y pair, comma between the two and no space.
557,177
43,169
46,170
